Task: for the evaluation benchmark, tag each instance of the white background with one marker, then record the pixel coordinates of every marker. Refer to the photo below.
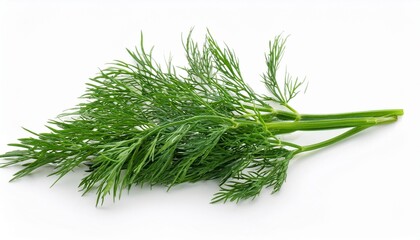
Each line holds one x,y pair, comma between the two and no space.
356,55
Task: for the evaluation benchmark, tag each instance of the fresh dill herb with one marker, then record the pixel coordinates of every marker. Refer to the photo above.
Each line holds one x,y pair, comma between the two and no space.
145,124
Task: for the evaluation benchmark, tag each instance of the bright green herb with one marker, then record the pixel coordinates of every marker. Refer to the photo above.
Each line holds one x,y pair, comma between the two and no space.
144,124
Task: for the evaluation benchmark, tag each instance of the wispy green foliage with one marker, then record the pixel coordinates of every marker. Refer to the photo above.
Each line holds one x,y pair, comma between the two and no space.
144,124
291,86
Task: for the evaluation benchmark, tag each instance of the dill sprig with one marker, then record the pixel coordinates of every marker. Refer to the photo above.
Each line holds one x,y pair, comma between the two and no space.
142,123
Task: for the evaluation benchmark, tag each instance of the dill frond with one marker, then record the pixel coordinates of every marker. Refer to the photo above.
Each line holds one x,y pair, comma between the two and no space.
144,124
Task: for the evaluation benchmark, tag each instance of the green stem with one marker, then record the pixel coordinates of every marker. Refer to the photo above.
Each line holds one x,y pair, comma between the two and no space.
373,113
358,121
280,127
332,140
298,116
259,108
289,144
286,115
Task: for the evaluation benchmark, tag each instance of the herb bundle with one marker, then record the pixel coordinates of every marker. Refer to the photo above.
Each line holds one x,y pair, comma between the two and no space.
142,123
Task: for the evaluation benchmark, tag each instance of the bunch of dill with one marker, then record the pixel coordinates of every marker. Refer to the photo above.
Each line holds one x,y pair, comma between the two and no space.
146,124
